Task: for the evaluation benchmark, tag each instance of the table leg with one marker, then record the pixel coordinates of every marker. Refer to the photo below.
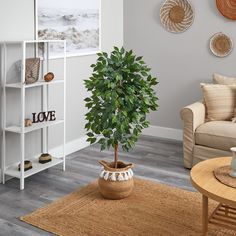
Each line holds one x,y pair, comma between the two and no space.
204,214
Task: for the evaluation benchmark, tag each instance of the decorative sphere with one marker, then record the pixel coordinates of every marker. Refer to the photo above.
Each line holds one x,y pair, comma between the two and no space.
49,77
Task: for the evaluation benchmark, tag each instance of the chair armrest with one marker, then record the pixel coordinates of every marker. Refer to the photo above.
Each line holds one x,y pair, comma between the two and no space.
192,116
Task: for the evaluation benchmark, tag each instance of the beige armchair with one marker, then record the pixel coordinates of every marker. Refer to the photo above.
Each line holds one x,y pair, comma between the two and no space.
203,140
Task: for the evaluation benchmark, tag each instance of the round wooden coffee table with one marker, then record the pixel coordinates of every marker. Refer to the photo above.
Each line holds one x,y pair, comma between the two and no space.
203,179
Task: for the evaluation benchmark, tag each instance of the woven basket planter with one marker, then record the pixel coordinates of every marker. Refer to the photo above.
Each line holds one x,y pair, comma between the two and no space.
116,183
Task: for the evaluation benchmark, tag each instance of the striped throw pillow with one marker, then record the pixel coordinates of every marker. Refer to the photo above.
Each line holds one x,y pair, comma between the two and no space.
219,100
221,79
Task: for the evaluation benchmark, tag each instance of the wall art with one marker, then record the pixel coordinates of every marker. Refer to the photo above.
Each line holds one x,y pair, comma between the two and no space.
227,8
221,45
176,15
76,21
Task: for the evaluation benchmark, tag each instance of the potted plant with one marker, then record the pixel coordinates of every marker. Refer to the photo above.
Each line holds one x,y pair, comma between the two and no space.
122,93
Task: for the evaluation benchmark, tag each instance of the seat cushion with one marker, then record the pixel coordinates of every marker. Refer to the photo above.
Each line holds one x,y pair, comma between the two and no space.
216,134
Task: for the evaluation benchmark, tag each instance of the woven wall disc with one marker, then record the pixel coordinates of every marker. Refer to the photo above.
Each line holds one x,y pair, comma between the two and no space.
222,174
221,45
176,15
227,8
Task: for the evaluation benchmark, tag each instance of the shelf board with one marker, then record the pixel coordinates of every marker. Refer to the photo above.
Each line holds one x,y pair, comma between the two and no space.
12,170
34,41
36,84
36,126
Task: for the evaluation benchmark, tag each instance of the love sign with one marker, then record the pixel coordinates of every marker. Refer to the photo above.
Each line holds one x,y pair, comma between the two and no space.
44,116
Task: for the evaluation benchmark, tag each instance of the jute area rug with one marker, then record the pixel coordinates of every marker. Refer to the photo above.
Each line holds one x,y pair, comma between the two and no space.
152,210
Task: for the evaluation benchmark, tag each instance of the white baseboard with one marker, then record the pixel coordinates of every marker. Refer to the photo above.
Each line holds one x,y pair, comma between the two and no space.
71,147
164,132
156,131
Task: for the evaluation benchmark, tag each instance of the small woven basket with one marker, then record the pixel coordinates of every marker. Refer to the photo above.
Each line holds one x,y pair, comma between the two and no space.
32,70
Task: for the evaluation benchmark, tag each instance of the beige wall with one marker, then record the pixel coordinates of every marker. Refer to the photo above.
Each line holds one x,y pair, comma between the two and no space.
181,61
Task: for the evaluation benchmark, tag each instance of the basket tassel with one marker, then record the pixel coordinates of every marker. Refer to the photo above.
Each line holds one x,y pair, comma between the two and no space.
102,174
113,176
126,176
130,175
106,176
131,172
120,177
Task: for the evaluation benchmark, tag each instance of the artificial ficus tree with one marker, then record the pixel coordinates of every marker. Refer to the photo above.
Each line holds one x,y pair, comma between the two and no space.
122,93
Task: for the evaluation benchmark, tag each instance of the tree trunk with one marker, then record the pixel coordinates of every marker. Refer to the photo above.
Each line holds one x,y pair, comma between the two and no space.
116,155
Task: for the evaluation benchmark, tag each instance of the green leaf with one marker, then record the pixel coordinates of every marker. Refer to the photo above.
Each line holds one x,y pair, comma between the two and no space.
102,141
146,124
114,119
90,134
92,140
87,99
139,58
116,48
87,126
103,147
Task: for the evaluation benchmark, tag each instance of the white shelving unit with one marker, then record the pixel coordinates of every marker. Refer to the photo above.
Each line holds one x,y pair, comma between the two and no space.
19,129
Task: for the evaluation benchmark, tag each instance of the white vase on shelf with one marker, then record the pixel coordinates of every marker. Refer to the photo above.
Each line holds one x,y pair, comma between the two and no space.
233,163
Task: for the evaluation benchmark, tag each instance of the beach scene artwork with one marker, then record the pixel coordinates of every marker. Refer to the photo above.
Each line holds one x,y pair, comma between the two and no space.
76,21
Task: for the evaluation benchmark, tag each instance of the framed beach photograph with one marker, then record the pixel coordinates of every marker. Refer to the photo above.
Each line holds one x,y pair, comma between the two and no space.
76,21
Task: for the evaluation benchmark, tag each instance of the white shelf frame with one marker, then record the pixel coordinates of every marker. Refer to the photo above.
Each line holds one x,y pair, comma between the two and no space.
37,84
33,127
21,130
12,170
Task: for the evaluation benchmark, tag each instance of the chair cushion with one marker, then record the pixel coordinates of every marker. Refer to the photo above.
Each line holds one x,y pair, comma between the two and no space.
219,100
216,134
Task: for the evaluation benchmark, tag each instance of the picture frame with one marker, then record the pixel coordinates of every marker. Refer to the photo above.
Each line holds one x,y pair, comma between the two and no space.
80,27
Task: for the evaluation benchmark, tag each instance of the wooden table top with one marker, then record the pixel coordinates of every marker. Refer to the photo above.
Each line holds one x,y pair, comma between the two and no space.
203,179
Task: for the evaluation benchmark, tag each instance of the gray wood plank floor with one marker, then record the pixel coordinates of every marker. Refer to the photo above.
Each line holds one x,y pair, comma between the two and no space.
155,159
